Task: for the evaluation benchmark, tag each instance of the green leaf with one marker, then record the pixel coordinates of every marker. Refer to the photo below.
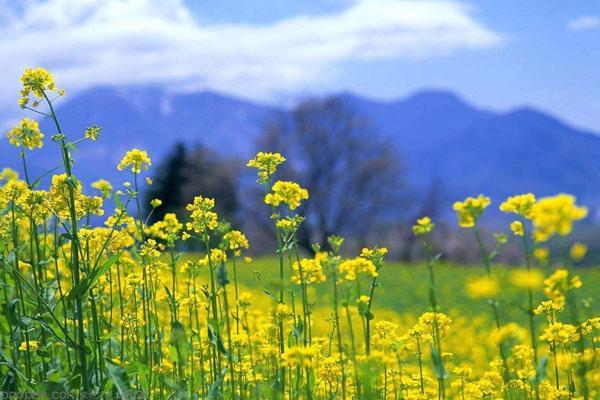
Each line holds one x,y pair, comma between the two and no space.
52,389
88,282
119,379
11,367
118,202
10,311
136,367
215,389
540,371
37,181
222,275
438,364
179,343
9,384
270,294
432,299
215,337
297,331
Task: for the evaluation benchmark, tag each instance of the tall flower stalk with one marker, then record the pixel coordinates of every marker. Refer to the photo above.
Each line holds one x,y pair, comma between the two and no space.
423,229
467,213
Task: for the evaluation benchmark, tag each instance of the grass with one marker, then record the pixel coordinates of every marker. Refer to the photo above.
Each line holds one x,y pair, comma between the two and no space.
404,287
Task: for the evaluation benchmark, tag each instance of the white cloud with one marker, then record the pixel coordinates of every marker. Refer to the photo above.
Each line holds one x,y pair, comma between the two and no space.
94,42
584,23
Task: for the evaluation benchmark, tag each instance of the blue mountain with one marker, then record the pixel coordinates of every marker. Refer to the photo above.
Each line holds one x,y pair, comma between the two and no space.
439,137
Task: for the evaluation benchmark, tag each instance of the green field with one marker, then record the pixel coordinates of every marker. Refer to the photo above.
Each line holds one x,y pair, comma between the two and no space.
404,287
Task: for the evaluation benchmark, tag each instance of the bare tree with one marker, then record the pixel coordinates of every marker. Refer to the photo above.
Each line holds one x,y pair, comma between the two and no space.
354,178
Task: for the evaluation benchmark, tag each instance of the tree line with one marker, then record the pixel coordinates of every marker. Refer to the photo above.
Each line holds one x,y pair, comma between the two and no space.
355,179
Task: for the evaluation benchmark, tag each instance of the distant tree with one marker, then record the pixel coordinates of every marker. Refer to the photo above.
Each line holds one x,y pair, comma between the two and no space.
208,174
187,173
354,178
169,182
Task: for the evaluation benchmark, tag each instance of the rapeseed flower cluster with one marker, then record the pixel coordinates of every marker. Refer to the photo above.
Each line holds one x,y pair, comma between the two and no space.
555,215
202,218
469,210
350,269
483,288
559,283
521,204
578,251
307,271
37,82
26,134
104,187
266,164
424,226
137,159
289,193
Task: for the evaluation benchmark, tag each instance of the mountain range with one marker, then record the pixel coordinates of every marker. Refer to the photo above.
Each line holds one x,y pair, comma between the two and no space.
441,139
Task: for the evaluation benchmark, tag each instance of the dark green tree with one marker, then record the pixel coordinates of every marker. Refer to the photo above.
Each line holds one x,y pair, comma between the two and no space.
169,183
186,173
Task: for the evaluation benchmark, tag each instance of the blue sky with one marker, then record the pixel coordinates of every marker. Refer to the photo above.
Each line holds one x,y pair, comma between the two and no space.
496,54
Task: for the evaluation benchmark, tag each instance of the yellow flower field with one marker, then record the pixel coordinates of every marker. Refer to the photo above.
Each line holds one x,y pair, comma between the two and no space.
90,311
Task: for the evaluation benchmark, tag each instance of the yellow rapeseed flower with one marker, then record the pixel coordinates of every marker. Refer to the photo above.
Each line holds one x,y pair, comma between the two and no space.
541,254
375,255
137,159
483,288
8,174
307,271
519,204
155,203
27,134
560,333
578,251
14,189
349,269
286,192
202,218
33,345
423,226
267,164
149,249
36,82
559,283
431,321
299,356
236,241
555,215
103,186
289,225
166,229
469,210
217,256
517,228
549,308
511,333
524,279
92,132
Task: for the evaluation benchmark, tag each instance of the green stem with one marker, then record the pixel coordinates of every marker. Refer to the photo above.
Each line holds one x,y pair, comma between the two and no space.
74,254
